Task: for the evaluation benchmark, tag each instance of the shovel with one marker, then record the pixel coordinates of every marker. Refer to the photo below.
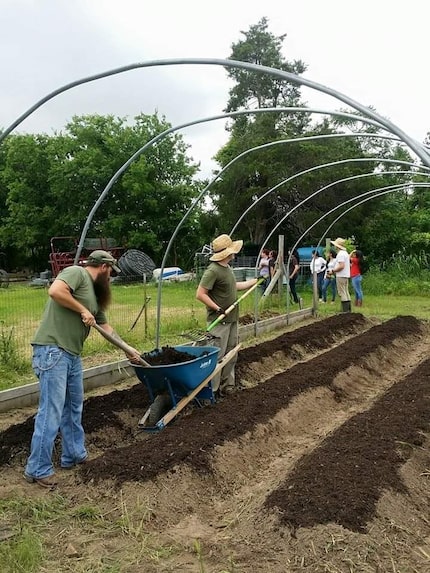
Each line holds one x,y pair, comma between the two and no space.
200,335
119,344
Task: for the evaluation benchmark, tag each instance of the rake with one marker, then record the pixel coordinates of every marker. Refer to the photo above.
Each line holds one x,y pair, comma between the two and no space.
197,335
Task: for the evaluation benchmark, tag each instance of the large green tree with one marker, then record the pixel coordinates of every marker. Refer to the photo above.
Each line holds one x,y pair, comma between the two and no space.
253,175
52,183
245,181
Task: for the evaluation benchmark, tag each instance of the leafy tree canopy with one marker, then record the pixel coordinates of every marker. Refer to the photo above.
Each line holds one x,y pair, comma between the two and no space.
48,185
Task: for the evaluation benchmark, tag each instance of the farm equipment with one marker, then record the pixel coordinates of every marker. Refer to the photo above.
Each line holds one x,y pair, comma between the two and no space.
172,386
63,251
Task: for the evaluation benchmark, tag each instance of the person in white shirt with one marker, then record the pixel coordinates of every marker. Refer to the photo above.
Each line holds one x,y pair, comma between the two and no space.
329,277
342,271
263,269
318,266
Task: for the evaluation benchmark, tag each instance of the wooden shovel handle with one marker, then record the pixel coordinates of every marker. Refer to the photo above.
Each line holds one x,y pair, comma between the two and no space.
119,344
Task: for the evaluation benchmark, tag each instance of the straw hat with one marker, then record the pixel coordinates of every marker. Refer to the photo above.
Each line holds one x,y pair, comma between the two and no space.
339,244
223,246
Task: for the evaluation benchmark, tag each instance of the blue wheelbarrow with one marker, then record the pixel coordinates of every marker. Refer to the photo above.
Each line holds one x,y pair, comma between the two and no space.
172,386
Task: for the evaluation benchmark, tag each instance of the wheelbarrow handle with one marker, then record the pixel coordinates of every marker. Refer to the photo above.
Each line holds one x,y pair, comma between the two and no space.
232,306
119,343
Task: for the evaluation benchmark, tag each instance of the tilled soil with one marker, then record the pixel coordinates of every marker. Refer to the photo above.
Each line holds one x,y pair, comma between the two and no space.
319,462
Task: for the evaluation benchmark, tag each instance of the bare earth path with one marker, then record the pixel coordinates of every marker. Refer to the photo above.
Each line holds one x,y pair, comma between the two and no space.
320,463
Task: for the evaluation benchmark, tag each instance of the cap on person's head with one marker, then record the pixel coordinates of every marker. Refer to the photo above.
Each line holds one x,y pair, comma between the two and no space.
339,243
223,246
100,257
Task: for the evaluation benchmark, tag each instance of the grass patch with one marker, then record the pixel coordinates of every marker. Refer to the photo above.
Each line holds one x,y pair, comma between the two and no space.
23,554
401,286
29,521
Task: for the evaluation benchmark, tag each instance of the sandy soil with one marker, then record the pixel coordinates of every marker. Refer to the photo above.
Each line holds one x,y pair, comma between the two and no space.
319,462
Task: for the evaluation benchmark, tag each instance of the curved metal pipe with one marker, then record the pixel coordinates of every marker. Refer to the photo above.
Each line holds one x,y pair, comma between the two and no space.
364,201
293,78
316,167
203,192
219,174
360,176
167,132
246,152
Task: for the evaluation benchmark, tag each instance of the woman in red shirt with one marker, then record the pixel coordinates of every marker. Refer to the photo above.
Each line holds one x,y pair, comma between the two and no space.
356,259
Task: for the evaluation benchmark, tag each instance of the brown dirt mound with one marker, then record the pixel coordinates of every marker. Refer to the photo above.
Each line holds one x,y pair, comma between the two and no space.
199,434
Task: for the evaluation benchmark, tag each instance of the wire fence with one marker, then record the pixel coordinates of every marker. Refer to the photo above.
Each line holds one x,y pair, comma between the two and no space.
132,314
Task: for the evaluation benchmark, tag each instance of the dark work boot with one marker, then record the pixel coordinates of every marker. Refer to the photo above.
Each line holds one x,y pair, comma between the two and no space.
346,306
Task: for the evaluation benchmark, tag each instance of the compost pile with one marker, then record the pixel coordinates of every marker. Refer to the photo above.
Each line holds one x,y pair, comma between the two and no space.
167,355
319,462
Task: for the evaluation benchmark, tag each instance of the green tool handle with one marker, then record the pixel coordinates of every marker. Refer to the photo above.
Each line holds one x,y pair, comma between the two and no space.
232,306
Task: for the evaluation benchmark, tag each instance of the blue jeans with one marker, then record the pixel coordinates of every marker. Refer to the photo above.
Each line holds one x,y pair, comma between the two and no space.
60,408
265,283
292,283
320,281
326,284
356,284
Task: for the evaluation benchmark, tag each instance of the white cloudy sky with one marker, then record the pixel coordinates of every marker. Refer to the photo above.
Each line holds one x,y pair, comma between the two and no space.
374,51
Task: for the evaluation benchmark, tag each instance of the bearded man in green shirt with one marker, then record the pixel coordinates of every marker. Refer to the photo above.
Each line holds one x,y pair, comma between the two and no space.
78,299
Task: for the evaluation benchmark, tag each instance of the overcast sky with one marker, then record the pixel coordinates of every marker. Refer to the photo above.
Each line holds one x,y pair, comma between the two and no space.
373,51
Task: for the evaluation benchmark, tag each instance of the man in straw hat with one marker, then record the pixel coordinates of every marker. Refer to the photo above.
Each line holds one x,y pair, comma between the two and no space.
217,290
341,271
78,299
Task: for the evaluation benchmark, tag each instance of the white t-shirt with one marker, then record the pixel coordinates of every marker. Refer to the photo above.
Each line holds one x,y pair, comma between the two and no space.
318,264
343,257
330,266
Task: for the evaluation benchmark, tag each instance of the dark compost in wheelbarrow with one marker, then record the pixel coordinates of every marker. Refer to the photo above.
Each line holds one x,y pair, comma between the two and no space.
167,355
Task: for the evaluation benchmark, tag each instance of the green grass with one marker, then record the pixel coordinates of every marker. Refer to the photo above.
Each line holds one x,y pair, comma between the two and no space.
23,554
29,520
402,287
21,308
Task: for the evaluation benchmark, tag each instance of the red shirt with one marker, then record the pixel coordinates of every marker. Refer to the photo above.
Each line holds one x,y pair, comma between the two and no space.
355,266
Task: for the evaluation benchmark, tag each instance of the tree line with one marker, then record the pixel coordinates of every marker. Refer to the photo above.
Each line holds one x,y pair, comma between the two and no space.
49,183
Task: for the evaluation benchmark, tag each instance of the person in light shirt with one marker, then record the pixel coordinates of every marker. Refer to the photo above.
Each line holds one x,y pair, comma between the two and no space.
342,271
318,266
329,278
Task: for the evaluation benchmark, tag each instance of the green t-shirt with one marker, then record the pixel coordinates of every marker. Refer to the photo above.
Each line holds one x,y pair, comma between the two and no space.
63,327
220,283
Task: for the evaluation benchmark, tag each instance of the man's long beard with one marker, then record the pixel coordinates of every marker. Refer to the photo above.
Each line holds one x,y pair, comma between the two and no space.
102,291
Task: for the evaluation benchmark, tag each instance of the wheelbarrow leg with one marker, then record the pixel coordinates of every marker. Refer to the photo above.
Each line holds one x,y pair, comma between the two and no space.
187,399
161,403
143,419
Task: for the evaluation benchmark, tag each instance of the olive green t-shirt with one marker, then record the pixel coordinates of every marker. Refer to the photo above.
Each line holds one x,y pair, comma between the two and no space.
220,283
63,327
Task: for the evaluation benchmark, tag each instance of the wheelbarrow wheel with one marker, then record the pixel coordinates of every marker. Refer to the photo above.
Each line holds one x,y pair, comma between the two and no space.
159,407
